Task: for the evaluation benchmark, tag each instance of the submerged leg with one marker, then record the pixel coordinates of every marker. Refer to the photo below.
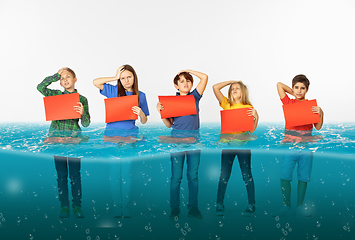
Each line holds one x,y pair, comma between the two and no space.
227,160
193,163
301,192
244,158
75,177
286,192
62,180
177,164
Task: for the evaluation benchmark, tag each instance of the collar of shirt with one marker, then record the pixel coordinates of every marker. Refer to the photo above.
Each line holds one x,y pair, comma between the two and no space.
66,92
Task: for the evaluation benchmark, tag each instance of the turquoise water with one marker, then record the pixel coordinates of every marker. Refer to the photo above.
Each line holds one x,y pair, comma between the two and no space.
29,202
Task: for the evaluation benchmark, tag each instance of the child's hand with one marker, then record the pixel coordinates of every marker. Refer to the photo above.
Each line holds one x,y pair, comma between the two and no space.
316,109
160,107
60,71
252,112
119,71
79,109
183,71
138,111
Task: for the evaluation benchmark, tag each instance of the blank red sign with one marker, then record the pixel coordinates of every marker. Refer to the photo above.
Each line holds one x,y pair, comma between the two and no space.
120,108
236,120
177,106
300,113
61,107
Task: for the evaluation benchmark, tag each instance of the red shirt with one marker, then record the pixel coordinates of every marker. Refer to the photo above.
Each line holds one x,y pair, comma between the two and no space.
307,127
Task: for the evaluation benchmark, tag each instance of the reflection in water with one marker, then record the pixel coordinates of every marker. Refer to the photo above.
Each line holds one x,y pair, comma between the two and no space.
120,169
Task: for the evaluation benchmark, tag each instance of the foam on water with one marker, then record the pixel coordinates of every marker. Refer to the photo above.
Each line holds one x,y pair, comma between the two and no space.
30,138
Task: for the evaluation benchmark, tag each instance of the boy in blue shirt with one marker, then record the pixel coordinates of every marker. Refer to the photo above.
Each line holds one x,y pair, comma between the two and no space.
183,82
68,129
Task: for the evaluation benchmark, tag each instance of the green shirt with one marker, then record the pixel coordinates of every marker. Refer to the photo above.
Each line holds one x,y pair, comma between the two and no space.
68,125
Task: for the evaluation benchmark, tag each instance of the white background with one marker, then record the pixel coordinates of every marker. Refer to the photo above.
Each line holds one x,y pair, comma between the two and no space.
258,42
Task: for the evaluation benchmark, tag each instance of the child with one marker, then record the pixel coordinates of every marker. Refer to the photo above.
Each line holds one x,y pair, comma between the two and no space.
183,82
238,97
300,86
127,84
67,79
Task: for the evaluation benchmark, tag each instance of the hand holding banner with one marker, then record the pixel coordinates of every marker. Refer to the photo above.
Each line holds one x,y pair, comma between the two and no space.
300,113
236,120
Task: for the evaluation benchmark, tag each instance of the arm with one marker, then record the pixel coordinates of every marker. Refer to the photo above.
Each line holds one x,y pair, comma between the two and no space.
217,89
167,121
318,110
282,89
43,86
254,113
201,86
138,111
99,82
84,111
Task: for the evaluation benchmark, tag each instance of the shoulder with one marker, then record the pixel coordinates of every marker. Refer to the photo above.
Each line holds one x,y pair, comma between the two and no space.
82,98
141,94
196,93
286,99
225,104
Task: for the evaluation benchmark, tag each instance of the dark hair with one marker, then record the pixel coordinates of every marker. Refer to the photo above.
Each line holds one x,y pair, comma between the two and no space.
186,75
71,71
302,79
121,89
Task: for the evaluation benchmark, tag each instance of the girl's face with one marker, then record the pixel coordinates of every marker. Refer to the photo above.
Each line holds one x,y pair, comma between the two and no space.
299,91
236,92
127,80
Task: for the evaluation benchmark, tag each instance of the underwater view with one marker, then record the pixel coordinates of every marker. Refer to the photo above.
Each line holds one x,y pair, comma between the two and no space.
125,181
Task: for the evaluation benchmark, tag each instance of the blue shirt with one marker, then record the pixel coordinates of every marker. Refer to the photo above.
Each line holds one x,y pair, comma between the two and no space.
189,122
111,91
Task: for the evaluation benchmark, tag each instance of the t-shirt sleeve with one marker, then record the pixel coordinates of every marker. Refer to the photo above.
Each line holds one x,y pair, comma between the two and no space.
143,103
109,91
196,94
286,100
224,104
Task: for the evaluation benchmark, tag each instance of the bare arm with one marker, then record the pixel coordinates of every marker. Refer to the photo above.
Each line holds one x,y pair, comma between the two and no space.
318,110
201,86
99,82
254,113
282,89
217,89
167,121
138,111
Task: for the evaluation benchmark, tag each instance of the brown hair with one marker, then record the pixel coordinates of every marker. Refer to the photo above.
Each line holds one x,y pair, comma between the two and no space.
121,90
186,75
71,71
302,79
244,96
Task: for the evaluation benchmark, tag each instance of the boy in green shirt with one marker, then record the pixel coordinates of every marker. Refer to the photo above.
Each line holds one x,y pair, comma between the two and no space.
67,128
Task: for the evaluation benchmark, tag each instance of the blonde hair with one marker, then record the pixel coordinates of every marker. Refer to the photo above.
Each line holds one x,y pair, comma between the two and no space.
244,93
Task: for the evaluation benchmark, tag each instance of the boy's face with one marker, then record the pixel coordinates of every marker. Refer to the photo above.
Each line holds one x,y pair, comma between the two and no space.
67,81
183,85
127,80
299,91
